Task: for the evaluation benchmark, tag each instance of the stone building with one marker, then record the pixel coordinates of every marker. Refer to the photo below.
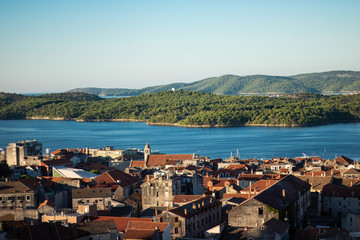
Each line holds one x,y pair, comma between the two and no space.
287,200
24,153
160,191
16,195
193,219
99,196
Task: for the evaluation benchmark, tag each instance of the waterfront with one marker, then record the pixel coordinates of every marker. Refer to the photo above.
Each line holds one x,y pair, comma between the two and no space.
327,141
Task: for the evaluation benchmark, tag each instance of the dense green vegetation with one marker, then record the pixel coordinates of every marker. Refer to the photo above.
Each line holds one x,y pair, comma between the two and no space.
188,108
335,81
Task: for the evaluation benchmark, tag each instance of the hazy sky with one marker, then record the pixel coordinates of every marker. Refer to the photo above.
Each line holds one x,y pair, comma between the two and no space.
54,46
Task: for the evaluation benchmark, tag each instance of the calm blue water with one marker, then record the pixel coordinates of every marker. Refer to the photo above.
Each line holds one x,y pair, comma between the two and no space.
252,142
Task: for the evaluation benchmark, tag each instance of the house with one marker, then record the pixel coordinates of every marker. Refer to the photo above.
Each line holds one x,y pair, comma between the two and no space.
46,207
17,195
122,183
99,196
24,153
160,191
272,229
286,200
47,166
340,201
163,228
192,219
100,230
180,200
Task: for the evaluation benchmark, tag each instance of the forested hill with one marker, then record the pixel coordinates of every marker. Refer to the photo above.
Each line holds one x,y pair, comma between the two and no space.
335,81
187,108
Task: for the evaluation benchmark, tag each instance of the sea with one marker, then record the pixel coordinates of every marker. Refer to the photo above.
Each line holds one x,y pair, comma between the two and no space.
326,141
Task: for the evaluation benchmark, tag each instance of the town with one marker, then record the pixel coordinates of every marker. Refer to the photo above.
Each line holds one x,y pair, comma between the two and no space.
132,194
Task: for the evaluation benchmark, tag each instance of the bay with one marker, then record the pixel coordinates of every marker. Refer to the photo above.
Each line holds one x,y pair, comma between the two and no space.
327,141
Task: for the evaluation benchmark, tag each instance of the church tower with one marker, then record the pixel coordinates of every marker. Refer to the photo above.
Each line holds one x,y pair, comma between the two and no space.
147,152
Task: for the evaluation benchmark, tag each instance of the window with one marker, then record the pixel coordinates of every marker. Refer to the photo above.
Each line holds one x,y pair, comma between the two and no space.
27,197
161,219
176,230
261,211
176,219
19,198
1,199
10,198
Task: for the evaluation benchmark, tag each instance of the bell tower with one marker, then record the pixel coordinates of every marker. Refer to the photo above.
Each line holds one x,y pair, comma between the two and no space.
147,152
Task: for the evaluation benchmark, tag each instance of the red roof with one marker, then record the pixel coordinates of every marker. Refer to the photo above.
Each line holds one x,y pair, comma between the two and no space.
137,164
186,198
259,186
344,160
136,234
47,202
146,225
57,162
116,177
161,160
122,222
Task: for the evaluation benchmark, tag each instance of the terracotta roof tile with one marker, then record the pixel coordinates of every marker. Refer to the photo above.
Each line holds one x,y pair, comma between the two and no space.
47,202
122,222
136,234
116,177
147,225
186,198
137,164
161,159
344,160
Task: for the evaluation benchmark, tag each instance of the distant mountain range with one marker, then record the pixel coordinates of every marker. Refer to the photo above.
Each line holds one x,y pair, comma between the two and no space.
334,81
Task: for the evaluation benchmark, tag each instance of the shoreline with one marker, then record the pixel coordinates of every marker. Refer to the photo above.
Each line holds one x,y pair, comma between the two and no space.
167,124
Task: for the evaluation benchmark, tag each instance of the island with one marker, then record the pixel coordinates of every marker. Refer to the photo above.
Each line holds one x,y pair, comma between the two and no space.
187,108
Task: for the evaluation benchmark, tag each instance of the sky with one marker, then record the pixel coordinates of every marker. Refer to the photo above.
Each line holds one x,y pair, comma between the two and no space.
54,46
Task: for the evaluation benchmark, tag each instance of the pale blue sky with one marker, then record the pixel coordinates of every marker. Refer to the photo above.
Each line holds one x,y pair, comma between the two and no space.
54,46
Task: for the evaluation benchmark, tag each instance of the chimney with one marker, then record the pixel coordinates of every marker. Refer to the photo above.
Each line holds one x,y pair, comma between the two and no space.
156,213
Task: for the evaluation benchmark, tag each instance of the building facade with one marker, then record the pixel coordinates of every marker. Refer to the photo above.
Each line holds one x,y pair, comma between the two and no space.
24,153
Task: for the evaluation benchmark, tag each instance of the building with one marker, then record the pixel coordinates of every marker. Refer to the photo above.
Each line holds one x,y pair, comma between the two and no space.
287,200
16,195
122,184
24,153
193,219
160,191
99,196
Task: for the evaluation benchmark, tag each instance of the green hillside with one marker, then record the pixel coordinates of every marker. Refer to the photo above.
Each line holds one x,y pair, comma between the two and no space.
187,108
335,81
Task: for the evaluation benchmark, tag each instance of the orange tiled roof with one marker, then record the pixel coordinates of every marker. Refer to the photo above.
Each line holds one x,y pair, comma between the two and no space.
47,202
259,186
137,164
136,234
160,160
236,167
186,198
147,225
122,222
344,160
